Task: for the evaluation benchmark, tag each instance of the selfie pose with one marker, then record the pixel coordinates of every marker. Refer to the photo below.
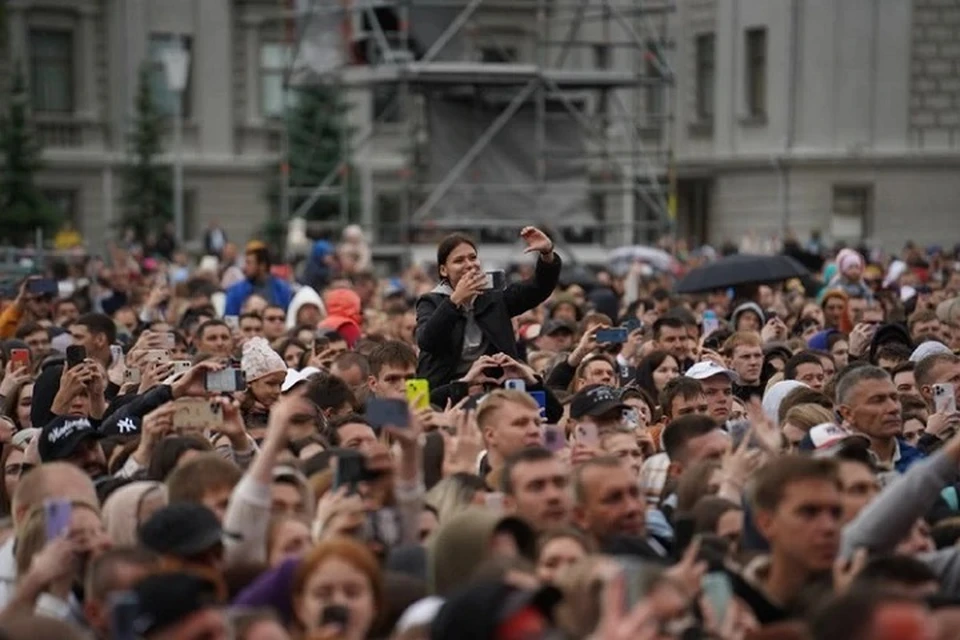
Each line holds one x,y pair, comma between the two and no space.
465,317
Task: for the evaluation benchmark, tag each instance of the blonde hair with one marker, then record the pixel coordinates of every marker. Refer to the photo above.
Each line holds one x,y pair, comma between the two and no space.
32,534
453,494
807,416
495,400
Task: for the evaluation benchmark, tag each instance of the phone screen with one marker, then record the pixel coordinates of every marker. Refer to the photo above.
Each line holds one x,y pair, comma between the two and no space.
718,592
225,381
57,514
351,470
20,357
75,355
387,412
612,336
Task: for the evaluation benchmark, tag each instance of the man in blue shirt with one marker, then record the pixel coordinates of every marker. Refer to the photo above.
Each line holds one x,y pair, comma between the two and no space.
256,268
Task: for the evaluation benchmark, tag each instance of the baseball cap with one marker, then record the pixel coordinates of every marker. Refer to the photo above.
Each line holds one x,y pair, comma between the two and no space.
551,327
166,599
595,400
183,529
927,349
827,438
61,437
708,369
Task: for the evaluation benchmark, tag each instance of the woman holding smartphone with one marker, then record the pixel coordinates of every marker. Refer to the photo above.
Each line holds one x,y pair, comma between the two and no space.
463,318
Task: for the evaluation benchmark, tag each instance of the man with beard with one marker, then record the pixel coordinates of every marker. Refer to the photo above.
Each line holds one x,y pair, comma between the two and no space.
256,269
73,439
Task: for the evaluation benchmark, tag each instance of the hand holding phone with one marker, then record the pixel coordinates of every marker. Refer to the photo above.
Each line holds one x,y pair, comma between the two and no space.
76,354
228,380
20,358
57,515
945,398
418,394
611,336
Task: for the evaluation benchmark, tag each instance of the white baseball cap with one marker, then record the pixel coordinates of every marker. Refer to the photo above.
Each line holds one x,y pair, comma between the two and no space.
295,377
708,369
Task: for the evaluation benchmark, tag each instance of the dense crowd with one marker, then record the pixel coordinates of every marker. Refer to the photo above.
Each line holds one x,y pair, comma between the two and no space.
224,447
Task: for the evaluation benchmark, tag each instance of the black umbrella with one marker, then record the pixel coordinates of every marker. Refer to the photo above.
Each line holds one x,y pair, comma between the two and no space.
738,271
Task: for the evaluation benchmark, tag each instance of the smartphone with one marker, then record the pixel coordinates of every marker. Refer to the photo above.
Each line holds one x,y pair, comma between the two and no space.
553,438
196,414
43,287
131,376
232,321
116,354
76,354
710,324
540,397
181,366
418,394
168,340
334,615
57,514
156,356
124,609
495,279
588,434
225,381
351,470
632,324
515,384
945,398
718,591
388,412
20,358
611,336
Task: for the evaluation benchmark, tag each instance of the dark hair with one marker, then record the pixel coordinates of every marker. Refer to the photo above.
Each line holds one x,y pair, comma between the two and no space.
28,329
772,479
804,357
98,323
907,366
684,387
893,351
852,615
333,427
330,392
708,510
249,315
895,571
679,432
448,244
924,369
215,322
393,353
168,451
262,255
646,367
667,321
530,454
802,395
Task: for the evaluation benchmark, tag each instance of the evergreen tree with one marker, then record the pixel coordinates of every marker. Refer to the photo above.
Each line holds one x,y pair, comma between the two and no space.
317,130
23,208
147,200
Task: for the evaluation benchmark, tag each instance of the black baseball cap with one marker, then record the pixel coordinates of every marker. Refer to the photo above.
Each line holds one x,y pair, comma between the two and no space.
595,400
166,599
551,327
61,437
183,530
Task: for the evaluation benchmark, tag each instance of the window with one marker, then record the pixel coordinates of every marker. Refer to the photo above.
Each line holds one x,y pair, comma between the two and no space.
64,202
163,97
653,100
756,75
601,56
705,51
51,70
852,210
274,60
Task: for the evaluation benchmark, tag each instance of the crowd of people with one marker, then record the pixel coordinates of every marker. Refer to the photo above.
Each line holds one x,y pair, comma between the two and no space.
231,448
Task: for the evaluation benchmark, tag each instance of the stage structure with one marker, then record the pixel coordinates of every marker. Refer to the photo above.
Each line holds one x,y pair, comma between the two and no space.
553,111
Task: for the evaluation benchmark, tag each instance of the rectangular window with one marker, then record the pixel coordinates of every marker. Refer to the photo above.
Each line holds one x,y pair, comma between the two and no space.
601,56
51,70
756,72
654,91
706,67
274,61
852,211
164,97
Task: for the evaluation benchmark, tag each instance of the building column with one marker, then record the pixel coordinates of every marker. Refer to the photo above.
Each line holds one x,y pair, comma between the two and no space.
17,29
87,99
251,37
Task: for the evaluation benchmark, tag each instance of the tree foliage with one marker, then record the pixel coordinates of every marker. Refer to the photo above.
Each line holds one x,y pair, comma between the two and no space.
147,199
23,207
318,140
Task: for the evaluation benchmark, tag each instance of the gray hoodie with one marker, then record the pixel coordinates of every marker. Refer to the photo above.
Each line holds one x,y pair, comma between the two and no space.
474,342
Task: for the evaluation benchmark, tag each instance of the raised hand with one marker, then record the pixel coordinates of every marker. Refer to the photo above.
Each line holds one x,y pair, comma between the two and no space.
536,241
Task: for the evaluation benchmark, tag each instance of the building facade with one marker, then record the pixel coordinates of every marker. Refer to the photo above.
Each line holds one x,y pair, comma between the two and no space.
803,115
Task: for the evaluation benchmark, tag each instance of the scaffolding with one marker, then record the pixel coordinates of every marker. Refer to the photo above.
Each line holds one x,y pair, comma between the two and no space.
603,64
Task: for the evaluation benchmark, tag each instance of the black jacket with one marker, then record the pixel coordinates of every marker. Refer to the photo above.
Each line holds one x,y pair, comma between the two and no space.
441,325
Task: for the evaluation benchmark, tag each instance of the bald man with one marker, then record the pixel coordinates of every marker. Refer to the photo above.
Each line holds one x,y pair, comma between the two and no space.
59,480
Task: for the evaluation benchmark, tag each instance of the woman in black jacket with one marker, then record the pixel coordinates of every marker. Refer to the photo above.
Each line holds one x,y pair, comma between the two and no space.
461,320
